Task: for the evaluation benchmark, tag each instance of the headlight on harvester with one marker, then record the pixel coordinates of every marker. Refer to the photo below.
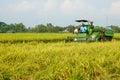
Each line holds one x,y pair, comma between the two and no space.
93,37
75,39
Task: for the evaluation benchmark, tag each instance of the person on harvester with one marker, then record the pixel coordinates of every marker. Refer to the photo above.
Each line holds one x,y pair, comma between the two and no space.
83,28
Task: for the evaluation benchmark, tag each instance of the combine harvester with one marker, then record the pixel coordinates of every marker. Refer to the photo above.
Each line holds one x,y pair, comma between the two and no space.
91,33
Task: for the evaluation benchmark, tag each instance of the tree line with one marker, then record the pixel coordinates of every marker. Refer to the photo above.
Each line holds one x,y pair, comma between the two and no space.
20,27
41,28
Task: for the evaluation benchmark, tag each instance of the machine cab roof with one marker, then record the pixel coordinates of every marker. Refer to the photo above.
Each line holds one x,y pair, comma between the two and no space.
83,21
88,22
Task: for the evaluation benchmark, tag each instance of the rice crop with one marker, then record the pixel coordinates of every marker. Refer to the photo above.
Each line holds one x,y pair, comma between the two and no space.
30,37
59,61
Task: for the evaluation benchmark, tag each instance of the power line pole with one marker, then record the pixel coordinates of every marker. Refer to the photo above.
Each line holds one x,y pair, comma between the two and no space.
106,21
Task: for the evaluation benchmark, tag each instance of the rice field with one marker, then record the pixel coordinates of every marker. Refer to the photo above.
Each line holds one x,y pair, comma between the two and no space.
33,37
37,57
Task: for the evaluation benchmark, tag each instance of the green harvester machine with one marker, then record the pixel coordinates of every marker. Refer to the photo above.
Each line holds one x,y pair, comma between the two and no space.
92,34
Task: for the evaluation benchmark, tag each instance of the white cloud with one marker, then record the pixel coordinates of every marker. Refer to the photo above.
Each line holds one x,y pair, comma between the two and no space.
21,7
69,6
78,8
50,8
115,10
50,5
26,6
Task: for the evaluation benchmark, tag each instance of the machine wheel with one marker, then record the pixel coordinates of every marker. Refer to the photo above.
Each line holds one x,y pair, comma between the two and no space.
101,39
69,39
108,38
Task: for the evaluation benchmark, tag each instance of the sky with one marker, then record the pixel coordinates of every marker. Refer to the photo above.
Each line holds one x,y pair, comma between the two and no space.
60,12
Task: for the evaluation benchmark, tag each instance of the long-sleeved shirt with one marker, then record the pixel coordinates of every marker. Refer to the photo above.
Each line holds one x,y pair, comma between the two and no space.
83,29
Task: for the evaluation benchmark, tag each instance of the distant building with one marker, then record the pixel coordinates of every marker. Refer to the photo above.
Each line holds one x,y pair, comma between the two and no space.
66,31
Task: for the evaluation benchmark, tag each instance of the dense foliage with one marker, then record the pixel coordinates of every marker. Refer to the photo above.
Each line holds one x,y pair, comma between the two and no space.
20,27
12,28
40,28
58,61
115,28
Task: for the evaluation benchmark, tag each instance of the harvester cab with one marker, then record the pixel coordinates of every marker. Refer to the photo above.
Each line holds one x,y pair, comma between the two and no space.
87,32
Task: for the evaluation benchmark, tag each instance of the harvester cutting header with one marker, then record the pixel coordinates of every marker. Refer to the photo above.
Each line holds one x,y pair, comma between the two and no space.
90,33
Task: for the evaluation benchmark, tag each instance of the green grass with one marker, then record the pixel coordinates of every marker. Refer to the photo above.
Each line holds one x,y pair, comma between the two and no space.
60,61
